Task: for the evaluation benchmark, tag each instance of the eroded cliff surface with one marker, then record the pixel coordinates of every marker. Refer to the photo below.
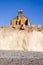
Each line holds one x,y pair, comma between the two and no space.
29,39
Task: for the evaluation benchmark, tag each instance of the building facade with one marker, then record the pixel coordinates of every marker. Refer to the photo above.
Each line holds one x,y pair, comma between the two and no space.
20,19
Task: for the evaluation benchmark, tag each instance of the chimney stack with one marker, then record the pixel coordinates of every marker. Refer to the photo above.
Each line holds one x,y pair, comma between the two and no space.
20,12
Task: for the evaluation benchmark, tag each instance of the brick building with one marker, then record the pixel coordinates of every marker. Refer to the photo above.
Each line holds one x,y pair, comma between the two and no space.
20,19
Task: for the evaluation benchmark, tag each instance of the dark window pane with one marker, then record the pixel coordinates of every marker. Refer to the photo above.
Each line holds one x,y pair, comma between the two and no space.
26,22
16,22
20,22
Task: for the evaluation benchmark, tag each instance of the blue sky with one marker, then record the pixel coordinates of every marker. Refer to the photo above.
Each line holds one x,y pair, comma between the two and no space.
33,9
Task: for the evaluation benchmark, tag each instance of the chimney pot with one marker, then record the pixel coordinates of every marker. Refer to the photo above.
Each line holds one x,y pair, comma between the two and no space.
20,11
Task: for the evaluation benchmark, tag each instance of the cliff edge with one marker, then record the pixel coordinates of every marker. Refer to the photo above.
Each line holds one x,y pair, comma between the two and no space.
28,39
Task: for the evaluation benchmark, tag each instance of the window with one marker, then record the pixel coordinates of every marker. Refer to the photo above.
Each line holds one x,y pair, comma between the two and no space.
16,22
26,22
19,22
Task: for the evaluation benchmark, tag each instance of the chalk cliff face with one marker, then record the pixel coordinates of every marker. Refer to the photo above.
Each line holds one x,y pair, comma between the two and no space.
30,39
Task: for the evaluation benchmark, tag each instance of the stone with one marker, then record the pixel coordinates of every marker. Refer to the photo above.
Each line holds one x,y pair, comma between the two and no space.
20,58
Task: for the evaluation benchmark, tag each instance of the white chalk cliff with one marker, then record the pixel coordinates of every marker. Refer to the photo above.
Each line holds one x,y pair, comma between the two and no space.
30,39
